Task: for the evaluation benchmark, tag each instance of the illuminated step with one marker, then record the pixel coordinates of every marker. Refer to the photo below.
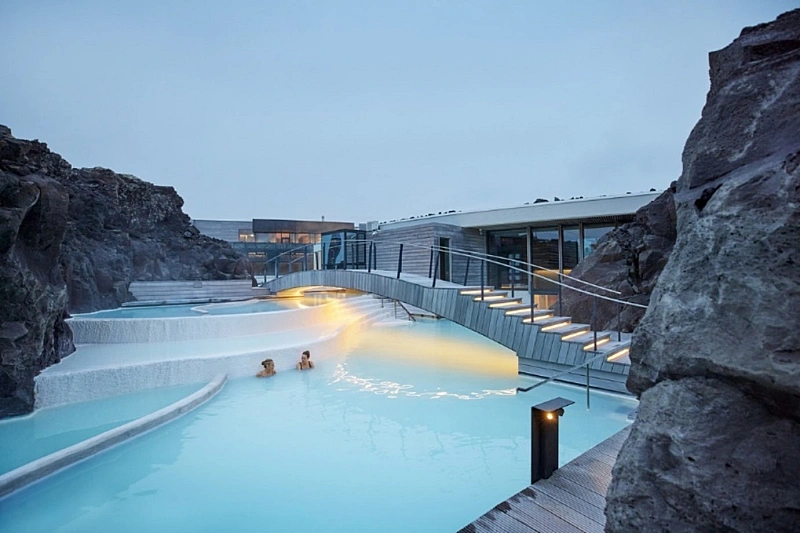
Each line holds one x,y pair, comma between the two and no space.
586,340
505,302
492,297
618,352
518,309
475,290
573,330
593,346
539,315
549,324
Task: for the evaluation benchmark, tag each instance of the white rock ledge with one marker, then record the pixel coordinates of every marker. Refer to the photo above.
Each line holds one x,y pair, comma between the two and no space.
40,468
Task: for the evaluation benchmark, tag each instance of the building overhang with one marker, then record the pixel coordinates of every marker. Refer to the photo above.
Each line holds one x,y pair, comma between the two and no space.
588,210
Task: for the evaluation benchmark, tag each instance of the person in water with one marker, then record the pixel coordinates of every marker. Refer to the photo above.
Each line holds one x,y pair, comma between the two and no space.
269,369
305,361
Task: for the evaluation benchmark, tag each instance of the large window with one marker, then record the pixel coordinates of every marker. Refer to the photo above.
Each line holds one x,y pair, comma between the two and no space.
544,254
512,245
592,234
570,248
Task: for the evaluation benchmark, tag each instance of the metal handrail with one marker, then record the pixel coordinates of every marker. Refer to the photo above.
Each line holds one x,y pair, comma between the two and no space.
478,255
398,302
564,373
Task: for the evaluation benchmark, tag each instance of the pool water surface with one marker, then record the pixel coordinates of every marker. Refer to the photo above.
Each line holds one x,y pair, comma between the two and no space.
405,429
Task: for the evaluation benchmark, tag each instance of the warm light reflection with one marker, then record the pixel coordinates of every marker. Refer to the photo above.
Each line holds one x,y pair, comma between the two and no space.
430,352
550,416
539,317
525,311
393,389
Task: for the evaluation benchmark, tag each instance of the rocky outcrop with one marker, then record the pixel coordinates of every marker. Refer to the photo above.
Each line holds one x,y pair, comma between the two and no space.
33,296
716,359
629,260
72,240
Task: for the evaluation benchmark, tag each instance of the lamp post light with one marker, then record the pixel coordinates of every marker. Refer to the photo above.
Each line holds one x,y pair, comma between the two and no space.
544,437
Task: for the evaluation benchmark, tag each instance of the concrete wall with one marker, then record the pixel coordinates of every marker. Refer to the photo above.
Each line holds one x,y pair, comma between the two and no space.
148,291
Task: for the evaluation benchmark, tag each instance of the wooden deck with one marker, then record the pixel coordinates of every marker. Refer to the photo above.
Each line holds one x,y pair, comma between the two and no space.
573,499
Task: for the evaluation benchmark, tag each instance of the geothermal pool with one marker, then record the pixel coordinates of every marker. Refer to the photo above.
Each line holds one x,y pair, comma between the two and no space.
415,427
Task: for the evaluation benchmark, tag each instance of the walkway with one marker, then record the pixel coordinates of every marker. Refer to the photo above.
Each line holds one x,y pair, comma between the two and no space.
573,499
546,345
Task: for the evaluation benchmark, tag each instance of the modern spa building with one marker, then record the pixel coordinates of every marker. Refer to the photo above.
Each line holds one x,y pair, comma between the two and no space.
553,235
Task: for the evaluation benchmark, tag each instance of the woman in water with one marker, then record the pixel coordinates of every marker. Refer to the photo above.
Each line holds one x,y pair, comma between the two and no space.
305,361
269,369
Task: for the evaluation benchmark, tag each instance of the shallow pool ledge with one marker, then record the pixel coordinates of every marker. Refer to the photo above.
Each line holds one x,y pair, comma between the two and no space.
36,470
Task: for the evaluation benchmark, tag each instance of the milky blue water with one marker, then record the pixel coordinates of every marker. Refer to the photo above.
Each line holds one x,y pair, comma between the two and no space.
404,429
27,438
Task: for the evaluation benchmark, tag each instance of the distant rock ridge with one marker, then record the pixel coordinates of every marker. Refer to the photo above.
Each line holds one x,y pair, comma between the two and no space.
716,358
72,240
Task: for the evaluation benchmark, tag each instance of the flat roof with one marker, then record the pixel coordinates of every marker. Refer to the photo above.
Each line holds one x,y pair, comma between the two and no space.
602,207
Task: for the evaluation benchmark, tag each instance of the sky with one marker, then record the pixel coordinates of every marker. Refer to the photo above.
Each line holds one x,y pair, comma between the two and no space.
371,110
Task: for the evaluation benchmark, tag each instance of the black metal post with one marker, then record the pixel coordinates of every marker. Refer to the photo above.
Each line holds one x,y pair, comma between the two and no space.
375,258
587,387
619,321
482,263
466,272
430,264
560,299
594,322
511,275
400,261
435,271
544,437
305,259
369,259
277,258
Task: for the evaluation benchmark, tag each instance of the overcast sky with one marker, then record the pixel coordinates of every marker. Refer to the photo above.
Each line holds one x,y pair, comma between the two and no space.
368,110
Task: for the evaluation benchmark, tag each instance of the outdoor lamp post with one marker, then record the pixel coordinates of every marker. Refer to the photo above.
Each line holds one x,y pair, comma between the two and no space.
544,437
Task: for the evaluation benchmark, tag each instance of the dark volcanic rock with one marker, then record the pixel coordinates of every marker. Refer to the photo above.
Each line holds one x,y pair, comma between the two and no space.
33,296
716,358
72,240
628,259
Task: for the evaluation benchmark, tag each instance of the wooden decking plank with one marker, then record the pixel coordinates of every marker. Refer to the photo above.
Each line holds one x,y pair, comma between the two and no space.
576,489
530,501
538,516
584,478
496,521
572,501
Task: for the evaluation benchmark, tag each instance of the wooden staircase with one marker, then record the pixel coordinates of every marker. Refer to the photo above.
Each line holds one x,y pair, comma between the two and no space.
576,342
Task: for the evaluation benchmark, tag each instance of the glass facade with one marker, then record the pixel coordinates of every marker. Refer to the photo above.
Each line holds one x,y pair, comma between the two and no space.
287,238
553,250
344,249
592,234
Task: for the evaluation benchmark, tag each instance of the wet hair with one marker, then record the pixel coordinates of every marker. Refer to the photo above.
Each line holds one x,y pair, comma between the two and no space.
307,353
265,361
